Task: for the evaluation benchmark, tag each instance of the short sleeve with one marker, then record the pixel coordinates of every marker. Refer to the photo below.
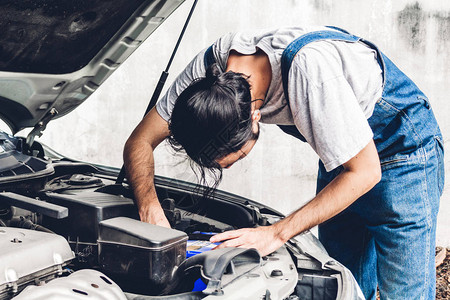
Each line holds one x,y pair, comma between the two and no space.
195,69
324,106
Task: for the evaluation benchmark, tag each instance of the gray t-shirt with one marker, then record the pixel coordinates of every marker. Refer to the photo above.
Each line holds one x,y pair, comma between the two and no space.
333,87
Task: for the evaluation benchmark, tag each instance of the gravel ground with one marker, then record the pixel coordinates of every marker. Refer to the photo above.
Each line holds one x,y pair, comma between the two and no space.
443,279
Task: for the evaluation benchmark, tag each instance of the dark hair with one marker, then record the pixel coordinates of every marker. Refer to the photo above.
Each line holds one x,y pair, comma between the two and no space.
211,119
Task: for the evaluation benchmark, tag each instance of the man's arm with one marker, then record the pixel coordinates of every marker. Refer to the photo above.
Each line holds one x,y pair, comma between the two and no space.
360,174
139,165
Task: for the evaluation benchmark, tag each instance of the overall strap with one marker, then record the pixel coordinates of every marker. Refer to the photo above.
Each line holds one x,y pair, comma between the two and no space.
368,43
294,47
208,58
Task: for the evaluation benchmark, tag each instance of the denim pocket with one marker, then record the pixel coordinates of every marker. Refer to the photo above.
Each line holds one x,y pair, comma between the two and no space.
441,168
392,162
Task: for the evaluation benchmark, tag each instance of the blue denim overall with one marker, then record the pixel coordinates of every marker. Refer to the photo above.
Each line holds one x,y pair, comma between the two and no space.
387,237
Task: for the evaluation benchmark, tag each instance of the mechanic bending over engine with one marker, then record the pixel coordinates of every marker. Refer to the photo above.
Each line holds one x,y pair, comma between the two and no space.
381,156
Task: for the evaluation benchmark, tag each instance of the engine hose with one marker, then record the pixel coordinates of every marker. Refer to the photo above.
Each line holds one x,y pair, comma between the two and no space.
27,224
183,296
43,229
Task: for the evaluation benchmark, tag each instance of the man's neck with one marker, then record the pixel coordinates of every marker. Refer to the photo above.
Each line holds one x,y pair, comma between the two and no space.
257,67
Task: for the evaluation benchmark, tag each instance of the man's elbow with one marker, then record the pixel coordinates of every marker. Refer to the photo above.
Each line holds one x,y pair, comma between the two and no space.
130,147
375,174
136,147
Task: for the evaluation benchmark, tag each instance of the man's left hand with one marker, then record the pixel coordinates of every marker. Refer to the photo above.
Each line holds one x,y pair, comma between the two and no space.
265,239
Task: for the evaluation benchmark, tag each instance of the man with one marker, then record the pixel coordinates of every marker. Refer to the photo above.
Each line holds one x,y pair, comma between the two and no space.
381,157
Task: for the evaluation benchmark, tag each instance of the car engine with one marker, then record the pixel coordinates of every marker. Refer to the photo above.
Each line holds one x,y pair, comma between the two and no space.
68,231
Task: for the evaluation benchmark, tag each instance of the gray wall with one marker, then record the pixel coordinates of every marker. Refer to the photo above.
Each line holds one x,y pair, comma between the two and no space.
280,171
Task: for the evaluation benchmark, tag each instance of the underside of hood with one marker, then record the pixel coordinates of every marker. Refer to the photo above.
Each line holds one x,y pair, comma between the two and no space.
55,53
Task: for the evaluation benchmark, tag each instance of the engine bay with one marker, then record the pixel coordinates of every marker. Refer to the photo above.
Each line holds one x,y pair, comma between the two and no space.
74,218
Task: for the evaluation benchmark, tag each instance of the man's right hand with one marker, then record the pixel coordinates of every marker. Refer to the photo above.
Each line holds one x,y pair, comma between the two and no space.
139,165
154,215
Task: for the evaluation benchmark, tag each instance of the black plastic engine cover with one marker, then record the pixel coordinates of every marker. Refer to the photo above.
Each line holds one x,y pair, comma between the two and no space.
86,211
18,167
140,253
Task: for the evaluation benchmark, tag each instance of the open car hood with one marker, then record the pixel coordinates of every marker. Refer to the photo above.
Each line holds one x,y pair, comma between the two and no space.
55,53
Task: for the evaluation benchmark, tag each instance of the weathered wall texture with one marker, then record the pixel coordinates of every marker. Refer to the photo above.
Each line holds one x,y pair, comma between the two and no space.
280,171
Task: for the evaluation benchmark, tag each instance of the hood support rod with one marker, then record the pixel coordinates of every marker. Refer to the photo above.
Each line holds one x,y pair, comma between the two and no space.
161,82
40,127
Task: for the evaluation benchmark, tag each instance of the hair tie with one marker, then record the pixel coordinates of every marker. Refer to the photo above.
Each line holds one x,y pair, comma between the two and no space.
259,99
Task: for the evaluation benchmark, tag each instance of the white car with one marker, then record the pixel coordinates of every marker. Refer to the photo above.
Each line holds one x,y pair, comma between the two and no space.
68,231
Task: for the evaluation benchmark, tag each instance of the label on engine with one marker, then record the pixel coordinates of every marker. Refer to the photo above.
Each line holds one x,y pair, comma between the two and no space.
197,246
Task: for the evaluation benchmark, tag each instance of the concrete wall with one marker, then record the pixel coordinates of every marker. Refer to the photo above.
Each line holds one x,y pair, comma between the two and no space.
280,171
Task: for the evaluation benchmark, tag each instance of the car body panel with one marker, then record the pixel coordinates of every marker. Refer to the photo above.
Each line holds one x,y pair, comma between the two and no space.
37,73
